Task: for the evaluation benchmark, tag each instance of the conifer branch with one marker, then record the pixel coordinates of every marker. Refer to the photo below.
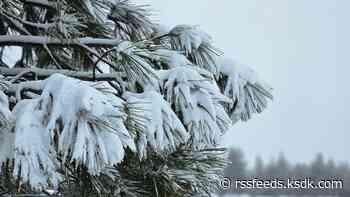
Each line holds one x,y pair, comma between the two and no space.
42,3
44,73
20,40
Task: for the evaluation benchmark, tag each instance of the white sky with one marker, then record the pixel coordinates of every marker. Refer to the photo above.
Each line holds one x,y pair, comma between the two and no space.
301,48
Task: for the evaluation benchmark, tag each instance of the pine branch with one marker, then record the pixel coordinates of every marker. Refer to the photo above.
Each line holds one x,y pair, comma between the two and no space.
14,23
17,88
20,40
11,18
26,195
42,3
44,73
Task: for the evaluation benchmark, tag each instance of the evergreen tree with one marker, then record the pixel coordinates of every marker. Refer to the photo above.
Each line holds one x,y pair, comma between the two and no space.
237,167
282,166
301,171
331,169
271,170
318,167
103,102
259,168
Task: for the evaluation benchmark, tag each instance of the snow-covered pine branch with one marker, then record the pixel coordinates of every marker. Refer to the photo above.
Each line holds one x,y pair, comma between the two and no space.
170,58
132,21
248,92
199,101
19,40
163,132
42,3
7,121
150,126
6,116
196,44
40,73
70,118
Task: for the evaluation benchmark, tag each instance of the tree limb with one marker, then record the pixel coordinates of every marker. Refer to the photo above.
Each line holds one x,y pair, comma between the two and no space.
44,73
42,3
15,24
10,17
21,40
36,86
17,88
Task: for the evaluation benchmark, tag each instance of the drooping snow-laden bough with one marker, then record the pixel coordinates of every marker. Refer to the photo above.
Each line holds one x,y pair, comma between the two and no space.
101,101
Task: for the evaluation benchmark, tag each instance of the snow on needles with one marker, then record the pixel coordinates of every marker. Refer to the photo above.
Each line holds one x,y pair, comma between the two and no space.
74,119
247,91
6,123
198,100
171,58
35,158
6,117
93,131
196,44
163,130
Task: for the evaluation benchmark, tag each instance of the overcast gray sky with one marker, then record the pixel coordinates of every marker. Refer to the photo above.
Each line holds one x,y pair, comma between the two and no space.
302,49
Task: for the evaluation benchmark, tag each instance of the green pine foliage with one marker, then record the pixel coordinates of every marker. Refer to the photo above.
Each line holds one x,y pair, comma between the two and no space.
104,102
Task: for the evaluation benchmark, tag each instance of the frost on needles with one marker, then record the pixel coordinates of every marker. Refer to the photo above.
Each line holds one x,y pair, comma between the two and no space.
102,101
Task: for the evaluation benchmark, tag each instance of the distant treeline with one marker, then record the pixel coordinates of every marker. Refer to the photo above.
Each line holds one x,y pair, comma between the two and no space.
318,169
